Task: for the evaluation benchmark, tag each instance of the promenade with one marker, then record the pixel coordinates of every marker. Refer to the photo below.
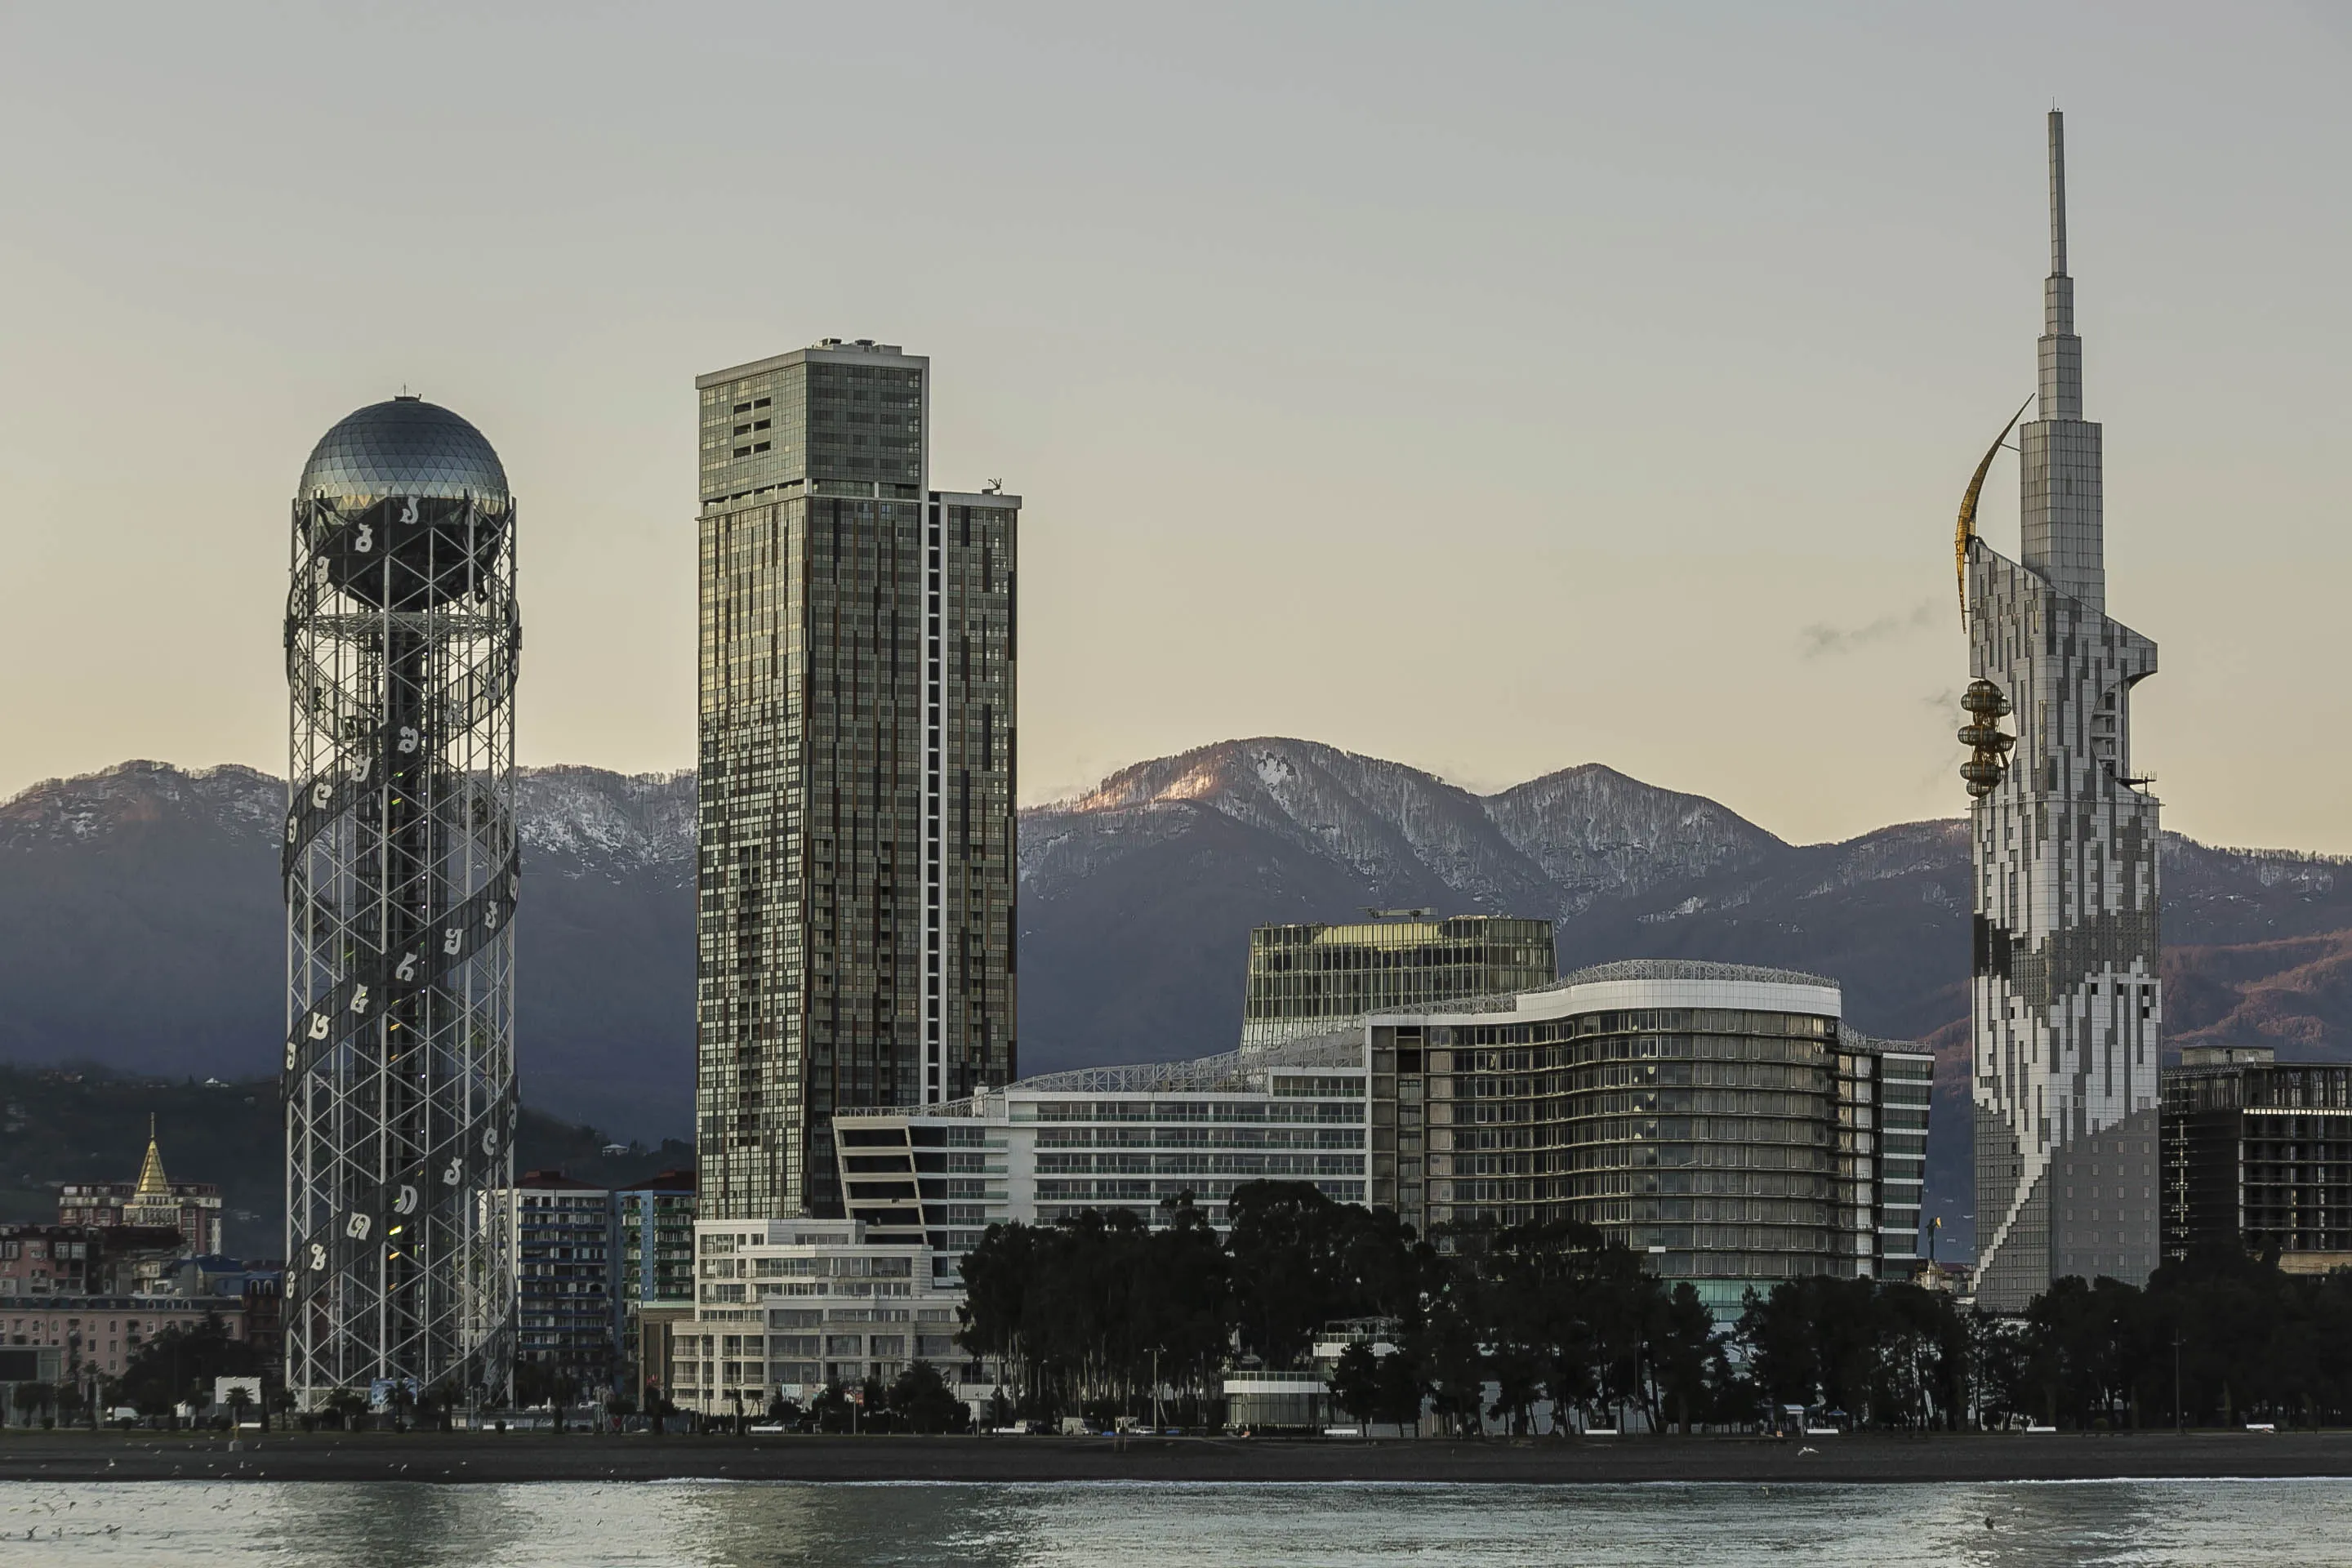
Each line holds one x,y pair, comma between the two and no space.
539,1456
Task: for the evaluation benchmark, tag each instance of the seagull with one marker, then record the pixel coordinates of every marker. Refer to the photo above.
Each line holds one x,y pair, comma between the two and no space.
1802,1452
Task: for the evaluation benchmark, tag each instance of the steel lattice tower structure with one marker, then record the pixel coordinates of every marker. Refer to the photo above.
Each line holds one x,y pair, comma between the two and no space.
401,868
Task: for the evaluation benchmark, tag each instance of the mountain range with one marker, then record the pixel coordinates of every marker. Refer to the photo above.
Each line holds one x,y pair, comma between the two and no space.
141,925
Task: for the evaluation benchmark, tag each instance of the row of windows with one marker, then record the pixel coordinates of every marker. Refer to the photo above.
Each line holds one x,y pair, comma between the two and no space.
1186,1110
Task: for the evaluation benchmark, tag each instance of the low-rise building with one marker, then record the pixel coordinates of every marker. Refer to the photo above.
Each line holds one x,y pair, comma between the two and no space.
153,1201
85,1260
1296,1399
101,1334
787,1308
1131,1138
2257,1153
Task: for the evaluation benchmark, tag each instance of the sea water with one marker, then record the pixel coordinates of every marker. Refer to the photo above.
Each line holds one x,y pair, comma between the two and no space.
685,1525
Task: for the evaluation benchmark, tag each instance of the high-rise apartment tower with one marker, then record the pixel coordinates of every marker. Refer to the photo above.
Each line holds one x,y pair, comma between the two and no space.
2065,999
855,937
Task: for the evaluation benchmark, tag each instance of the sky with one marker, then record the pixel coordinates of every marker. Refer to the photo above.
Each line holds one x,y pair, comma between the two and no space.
1494,388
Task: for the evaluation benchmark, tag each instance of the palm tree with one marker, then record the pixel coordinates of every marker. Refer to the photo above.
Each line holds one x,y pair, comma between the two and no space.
240,1400
29,1398
34,1398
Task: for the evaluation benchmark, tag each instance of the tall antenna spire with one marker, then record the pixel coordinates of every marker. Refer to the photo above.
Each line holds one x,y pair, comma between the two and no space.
2062,350
2057,194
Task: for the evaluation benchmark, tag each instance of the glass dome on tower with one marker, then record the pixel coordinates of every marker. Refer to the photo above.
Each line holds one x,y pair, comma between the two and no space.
405,447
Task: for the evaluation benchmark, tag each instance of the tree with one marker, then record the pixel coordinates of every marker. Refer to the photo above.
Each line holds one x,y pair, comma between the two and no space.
240,1400
1688,1369
832,1409
1300,1260
922,1402
32,1398
1355,1383
1448,1347
179,1365
1400,1389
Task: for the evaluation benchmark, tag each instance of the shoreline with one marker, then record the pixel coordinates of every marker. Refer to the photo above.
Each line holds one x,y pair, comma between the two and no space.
494,1459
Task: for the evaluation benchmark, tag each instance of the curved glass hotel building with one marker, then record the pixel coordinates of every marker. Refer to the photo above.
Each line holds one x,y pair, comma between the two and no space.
1720,1119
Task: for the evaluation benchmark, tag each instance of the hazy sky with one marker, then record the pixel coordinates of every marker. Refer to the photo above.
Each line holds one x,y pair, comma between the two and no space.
1494,388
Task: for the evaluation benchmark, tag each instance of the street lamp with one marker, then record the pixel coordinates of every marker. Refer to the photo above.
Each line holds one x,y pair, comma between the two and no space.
2176,1428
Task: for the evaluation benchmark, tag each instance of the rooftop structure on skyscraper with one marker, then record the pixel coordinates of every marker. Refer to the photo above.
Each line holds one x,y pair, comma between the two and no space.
1310,979
2065,1001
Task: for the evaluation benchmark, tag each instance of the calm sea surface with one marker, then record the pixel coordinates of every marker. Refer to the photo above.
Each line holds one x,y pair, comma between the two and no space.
394,1525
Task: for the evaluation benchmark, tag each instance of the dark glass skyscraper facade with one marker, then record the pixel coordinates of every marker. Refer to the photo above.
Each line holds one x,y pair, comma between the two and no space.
854,927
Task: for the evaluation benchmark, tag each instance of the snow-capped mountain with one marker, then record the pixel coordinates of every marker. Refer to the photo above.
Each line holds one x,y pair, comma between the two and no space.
1552,846
140,922
142,927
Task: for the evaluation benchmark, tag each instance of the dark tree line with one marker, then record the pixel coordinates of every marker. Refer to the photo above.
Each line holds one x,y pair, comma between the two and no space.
1498,1326
2236,1338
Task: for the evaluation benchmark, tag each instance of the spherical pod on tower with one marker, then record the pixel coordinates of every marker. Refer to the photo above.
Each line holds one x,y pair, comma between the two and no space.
401,869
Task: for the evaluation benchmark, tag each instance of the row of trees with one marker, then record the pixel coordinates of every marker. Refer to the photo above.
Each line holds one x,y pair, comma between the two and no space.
919,1400
177,1367
1553,1325
2224,1337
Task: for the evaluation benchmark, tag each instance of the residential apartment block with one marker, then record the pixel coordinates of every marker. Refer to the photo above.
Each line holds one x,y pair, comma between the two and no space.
855,882
787,1308
2257,1154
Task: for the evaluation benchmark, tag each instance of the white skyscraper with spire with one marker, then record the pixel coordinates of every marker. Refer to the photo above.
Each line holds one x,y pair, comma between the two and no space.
2065,998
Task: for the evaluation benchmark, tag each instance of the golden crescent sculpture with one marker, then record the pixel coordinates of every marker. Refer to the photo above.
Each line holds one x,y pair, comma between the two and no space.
1967,529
